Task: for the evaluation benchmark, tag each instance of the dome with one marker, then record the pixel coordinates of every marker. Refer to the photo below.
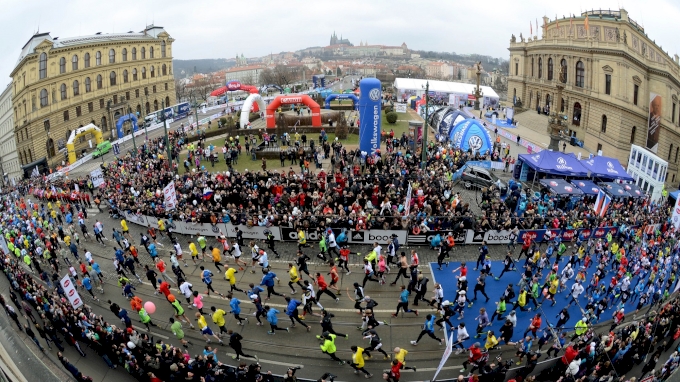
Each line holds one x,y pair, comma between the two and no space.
470,134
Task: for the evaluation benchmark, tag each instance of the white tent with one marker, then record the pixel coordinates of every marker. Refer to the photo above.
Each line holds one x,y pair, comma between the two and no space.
416,86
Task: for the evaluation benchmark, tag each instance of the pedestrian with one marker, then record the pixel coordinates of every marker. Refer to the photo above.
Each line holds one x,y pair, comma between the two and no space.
273,320
235,305
176,328
229,274
403,303
328,347
375,344
268,281
323,288
162,269
357,361
151,275
206,277
294,277
216,257
293,313
235,343
205,329
428,328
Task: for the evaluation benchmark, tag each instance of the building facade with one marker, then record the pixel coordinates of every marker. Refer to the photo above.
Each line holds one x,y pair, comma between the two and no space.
247,75
59,85
9,160
613,71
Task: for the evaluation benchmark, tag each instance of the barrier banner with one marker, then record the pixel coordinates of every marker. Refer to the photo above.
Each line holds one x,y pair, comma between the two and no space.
533,234
569,234
599,233
202,229
460,237
374,235
256,232
474,237
496,237
137,219
71,292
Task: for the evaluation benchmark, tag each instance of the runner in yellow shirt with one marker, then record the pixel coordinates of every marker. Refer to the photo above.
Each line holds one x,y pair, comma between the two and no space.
218,319
217,257
205,329
229,275
194,251
126,230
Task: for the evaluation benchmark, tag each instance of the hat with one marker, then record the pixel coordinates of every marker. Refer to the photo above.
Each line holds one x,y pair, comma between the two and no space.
446,303
131,345
462,292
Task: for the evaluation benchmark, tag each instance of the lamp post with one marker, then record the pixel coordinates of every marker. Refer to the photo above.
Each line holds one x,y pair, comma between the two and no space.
423,155
146,132
132,128
167,139
478,90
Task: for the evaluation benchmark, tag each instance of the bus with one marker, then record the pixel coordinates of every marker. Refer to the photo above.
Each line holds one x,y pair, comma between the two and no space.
174,112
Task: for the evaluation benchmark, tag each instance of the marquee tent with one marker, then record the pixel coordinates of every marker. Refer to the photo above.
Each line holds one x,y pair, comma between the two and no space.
588,187
614,189
633,190
604,167
555,163
469,134
561,187
417,86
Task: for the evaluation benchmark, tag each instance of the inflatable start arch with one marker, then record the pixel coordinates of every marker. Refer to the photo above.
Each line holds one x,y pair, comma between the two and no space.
248,105
70,146
290,100
331,97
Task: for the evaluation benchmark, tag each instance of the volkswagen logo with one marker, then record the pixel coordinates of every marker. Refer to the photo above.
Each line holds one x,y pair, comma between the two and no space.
374,94
561,161
475,143
610,165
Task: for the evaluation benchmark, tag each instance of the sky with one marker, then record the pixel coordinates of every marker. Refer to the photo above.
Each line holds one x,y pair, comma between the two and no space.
223,29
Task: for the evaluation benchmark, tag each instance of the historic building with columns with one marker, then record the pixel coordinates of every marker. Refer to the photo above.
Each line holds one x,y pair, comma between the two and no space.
61,84
613,69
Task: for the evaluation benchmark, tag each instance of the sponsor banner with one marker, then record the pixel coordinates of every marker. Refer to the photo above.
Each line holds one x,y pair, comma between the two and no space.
137,219
474,237
370,115
203,229
599,233
97,177
169,196
569,234
654,122
497,237
71,292
374,235
533,234
460,237
400,107
676,216
259,233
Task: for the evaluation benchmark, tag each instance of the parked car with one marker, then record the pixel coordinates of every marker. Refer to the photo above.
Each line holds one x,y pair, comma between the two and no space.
101,149
475,176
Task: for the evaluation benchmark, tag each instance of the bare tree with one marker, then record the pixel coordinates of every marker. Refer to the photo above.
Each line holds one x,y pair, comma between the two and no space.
280,75
180,89
204,85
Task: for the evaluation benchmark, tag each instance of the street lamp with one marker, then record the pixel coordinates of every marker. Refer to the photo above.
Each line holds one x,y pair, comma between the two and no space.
167,139
132,128
423,156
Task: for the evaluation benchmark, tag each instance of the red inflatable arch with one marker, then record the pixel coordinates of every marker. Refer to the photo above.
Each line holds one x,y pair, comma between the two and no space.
289,99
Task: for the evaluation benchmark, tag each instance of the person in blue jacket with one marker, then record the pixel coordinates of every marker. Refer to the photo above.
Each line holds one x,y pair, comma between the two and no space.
273,319
292,312
428,329
153,252
268,281
235,305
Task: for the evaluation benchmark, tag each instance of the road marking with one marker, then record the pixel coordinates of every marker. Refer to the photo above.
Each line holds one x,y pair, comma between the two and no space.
143,330
273,362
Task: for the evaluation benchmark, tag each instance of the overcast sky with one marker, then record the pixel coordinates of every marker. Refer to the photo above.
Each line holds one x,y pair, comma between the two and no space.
218,28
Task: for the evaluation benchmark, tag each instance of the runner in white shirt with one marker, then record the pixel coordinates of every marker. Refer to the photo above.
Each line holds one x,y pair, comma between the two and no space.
178,251
88,256
576,291
186,290
461,336
236,252
332,244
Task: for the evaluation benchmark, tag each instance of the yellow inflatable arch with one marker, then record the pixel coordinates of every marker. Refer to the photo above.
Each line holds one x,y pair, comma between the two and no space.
70,146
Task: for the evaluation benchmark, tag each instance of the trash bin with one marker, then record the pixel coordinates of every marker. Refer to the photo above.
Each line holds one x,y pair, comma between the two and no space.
573,141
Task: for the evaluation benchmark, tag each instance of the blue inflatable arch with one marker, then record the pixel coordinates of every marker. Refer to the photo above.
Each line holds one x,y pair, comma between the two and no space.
331,97
124,118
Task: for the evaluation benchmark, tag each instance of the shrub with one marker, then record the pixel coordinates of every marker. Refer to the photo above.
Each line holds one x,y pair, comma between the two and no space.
391,117
223,121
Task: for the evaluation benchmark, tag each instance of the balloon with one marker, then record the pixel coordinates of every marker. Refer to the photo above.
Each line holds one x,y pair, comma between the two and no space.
444,156
150,307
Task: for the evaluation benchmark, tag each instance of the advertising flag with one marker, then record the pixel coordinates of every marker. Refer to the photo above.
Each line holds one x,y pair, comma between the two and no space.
557,22
170,196
71,292
654,123
407,207
676,215
446,355
370,117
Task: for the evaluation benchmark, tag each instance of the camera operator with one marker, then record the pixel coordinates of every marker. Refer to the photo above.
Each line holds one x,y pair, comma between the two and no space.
327,377
495,372
290,374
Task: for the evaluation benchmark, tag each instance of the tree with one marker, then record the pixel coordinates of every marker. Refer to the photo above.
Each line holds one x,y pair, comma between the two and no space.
339,72
180,89
203,86
280,75
459,76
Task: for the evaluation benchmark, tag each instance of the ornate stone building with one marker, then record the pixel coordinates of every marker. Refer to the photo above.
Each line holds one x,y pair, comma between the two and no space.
60,84
613,68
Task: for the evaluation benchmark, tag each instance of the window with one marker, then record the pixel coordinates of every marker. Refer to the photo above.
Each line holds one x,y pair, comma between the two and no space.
76,88
532,67
143,51
98,58
164,71
112,78
136,93
636,89
540,67
550,69
152,71
46,124
155,105
154,88
134,74
43,98
125,76
151,52
516,69
673,114
112,56
43,65
101,103
163,49
563,69
143,73
134,54
608,84
146,91
148,109
127,96
74,62
103,123
115,99
603,128
87,60
88,85
580,74
166,86
90,107
62,90
167,100
99,81
632,134
676,154
599,147
65,115
124,54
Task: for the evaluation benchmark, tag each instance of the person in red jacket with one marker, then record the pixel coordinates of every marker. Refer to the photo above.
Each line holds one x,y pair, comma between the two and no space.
323,288
475,358
569,354
395,372
164,288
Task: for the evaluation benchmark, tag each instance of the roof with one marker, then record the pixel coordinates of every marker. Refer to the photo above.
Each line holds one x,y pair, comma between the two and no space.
442,86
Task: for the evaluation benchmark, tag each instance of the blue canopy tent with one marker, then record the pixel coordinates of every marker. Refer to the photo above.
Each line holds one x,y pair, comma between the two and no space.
588,187
561,187
633,190
614,189
604,167
675,194
554,163
470,134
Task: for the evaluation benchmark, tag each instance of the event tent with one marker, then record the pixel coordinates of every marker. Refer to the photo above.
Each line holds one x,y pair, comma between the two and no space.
633,190
605,167
561,187
469,134
588,187
404,85
614,189
555,163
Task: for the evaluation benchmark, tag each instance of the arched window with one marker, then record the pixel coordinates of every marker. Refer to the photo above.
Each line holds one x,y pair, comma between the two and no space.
576,118
98,58
154,89
143,73
143,53
43,98
104,125
125,76
152,72
134,54
62,90
134,74
563,68
603,128
124,54
112,78
50,148
139,109
532,67
74,62
580,74
88,85
43,65
99,81
670,152
163,49
562,106
112,56
167,100
155,105
550,69
76,88
148,109
62,65
632,134
87,60
164,70
151,52
540,67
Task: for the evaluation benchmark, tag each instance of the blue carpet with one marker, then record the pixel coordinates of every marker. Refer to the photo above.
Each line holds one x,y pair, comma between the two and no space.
500,123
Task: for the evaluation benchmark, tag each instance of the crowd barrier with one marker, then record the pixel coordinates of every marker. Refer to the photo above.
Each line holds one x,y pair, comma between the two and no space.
466,236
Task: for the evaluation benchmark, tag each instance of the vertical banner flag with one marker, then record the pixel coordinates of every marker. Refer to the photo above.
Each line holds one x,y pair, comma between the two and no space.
97,177
370,109
654,123
676,215
407,207
71,292
598,202
446,355
169,196
605,205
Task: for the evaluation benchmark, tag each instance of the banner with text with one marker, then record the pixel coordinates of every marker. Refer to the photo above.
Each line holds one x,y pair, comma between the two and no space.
169,196
71,292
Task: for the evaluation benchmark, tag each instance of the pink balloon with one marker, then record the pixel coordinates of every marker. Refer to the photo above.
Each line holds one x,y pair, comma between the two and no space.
150,307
